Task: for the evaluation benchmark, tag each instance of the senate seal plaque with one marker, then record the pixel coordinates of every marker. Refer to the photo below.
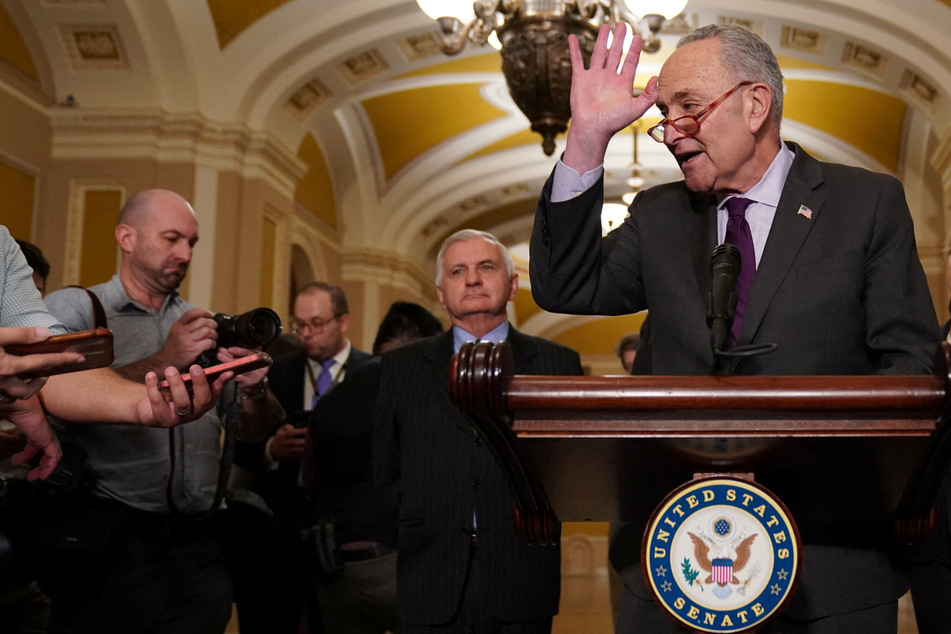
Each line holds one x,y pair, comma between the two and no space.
721,554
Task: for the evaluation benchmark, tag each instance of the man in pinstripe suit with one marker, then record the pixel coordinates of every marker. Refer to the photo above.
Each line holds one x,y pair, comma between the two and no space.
461,566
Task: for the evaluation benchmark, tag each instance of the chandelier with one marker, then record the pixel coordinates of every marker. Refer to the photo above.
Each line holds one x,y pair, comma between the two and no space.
533,37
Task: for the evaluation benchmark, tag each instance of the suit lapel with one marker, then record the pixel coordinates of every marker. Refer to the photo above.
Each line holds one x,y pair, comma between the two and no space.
525,351
700,231
786,236
437,359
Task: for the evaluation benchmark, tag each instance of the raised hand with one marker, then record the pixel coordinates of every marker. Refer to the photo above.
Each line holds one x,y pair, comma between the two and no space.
602,97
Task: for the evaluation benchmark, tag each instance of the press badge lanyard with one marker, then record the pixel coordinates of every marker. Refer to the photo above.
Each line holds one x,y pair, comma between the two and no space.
337,379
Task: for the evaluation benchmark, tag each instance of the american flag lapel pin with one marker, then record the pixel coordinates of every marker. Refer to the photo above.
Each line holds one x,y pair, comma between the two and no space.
805,212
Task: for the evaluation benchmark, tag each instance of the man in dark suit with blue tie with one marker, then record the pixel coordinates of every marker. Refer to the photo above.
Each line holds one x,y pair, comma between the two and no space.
831,274
461,566
297,379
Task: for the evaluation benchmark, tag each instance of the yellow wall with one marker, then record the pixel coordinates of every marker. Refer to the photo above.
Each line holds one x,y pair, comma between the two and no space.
100,215
17,201
315,190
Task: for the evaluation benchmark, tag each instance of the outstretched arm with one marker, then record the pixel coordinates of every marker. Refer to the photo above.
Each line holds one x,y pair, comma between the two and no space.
101,396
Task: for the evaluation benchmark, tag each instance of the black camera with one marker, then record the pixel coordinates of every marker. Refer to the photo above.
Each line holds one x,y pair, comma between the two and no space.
254,329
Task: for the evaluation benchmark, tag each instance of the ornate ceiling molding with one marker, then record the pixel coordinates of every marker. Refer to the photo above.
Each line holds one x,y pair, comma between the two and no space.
166,137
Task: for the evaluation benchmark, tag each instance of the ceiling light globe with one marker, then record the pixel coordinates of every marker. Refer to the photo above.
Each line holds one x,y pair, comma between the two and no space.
640,8
460,9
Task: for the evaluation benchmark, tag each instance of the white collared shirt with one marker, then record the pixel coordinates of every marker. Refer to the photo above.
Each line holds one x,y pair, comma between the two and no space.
765,195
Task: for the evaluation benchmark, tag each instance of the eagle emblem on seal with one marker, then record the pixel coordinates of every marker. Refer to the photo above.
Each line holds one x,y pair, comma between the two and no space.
721,570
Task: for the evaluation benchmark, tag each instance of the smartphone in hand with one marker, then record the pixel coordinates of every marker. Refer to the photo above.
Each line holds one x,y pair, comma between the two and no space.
95,345
238,366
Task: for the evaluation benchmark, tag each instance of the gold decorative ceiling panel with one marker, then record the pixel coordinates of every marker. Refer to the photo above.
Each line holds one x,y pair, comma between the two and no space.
13,51
362,67
519,139
94,47
315,190
232,17
868,120
306,99
409,123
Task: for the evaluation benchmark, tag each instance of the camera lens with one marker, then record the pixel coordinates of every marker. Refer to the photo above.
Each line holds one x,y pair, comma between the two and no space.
255,328
260,326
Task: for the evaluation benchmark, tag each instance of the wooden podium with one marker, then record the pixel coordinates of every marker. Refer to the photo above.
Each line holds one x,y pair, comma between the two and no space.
860,456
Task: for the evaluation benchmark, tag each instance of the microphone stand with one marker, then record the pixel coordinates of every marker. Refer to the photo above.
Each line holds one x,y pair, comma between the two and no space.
721,307
721,310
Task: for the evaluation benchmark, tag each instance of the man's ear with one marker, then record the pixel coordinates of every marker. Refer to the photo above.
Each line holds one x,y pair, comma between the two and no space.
761,106
513,283
439,295
125,237
344,323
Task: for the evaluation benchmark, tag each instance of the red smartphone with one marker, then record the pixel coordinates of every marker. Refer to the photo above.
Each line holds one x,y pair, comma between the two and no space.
238,366
95,345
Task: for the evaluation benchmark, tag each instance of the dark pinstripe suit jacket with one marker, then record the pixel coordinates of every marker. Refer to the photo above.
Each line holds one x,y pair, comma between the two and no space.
445,473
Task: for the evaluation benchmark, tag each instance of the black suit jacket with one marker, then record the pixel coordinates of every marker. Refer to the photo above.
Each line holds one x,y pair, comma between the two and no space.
444,474
341,429
279,487
839,288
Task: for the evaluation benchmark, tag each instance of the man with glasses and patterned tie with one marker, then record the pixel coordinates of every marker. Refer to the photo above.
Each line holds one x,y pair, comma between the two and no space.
298,380
829,269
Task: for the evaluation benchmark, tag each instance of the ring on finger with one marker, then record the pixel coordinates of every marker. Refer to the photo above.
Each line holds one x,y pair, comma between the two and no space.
185,413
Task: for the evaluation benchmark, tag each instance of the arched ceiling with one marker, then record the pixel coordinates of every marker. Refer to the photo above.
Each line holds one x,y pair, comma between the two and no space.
405,145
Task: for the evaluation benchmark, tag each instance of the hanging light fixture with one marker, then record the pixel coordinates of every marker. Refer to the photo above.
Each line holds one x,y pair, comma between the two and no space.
534,37
634,181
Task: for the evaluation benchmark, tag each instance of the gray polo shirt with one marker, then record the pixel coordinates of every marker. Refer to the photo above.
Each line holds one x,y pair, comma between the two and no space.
131,462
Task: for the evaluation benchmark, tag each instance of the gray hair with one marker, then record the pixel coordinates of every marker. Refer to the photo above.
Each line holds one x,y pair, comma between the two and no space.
748,56
469,234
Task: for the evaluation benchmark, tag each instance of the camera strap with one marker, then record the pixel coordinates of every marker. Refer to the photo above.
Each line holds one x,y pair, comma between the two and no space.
229,421
98,312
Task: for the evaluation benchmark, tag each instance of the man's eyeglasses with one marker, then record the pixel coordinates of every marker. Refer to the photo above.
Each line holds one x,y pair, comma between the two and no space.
315,325
690,124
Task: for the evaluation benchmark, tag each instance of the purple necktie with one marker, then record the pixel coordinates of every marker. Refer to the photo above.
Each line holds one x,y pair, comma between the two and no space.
738,234
324,380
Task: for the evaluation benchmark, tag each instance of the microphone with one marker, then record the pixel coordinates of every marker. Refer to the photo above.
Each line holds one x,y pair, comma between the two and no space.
724,269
